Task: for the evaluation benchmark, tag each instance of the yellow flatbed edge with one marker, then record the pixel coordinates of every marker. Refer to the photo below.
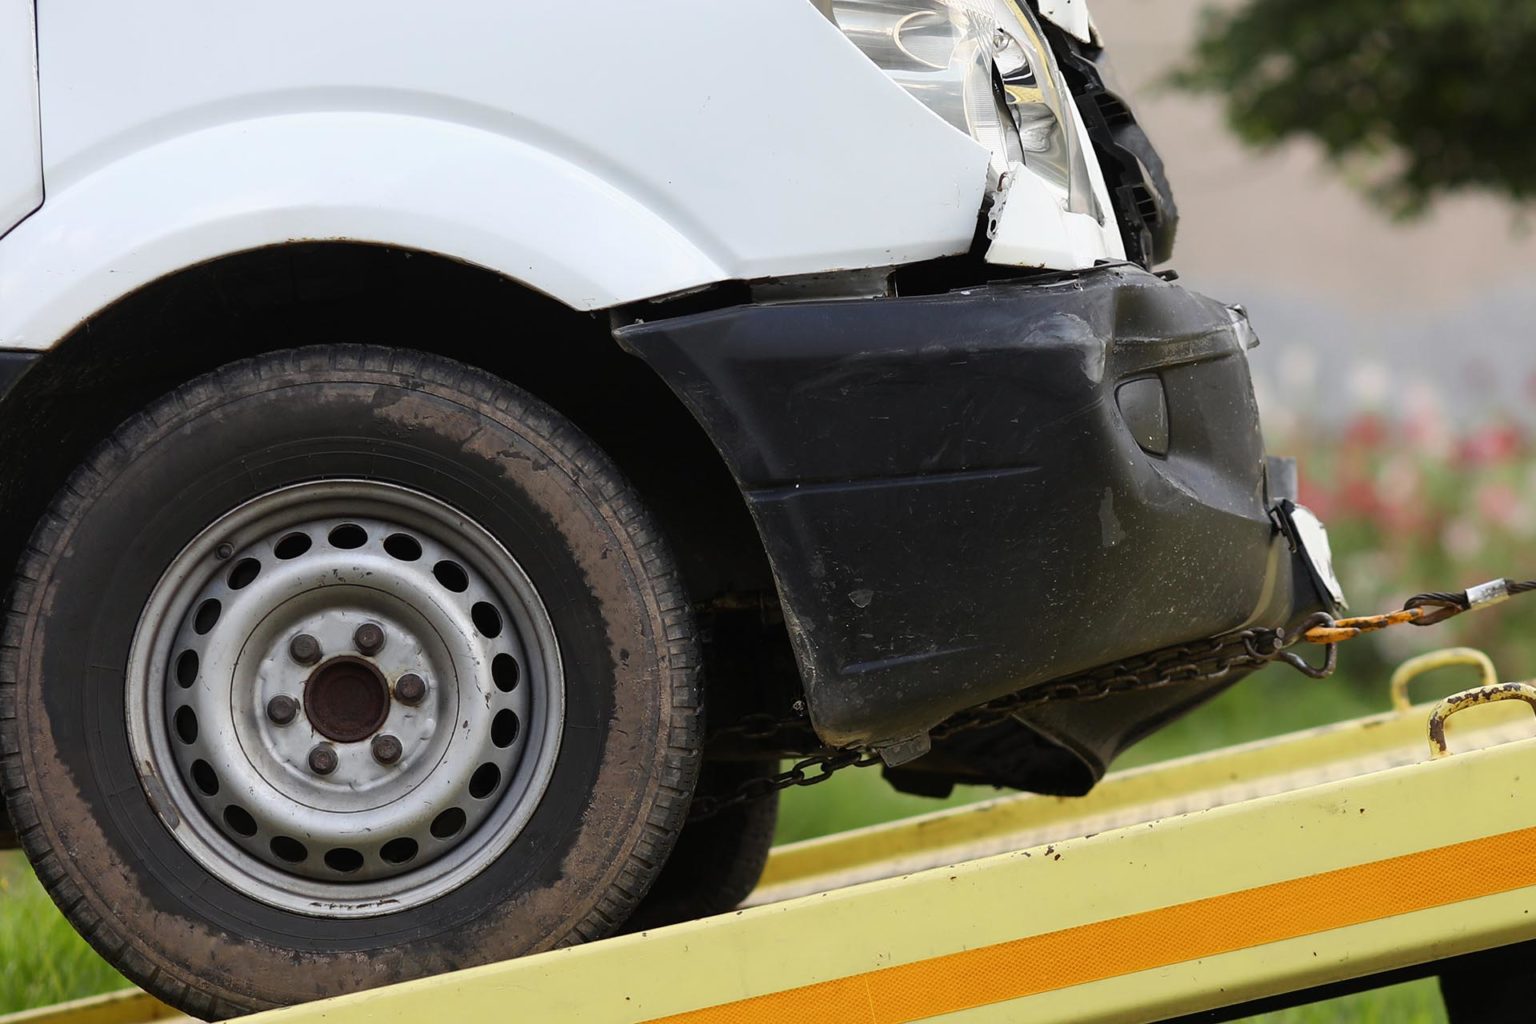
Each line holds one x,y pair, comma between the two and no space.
1318,857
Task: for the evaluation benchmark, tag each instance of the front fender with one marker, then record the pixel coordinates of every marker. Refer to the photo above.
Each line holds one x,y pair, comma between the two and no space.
366,177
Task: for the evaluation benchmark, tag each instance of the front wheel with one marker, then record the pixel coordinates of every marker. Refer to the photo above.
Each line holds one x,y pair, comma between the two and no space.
339,667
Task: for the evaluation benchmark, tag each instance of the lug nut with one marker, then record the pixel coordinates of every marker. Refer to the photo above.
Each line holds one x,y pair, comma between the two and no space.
322,759
410,688
386,749
369,638
305,649
282,709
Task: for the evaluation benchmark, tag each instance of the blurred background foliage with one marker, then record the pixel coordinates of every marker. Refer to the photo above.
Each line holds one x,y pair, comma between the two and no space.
1413,98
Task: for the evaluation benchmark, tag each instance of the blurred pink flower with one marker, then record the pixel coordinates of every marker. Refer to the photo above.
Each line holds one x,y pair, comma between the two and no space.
1398,479
1462,539
1499,504
1425,428
1493,444
1358,497
1365,432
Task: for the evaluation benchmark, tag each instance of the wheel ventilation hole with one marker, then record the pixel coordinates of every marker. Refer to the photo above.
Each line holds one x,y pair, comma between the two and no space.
347,536
451,575
448,824
243,573
343,859
398,851
402,546
292,546
239,820
186,725
207,616
186,669
485,780
504,728
504,672
487,619
288,849
205,778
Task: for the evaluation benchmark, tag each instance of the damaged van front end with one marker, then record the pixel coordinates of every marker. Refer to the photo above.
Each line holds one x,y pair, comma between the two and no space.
973,485
964,494
427,463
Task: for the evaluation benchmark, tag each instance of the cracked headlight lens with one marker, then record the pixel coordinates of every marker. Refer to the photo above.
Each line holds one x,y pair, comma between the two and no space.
985,67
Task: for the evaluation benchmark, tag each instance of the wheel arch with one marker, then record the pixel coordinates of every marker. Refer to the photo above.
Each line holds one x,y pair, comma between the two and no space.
244,304
382,178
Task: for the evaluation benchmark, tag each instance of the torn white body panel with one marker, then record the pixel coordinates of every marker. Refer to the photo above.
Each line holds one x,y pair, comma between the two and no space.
1036,229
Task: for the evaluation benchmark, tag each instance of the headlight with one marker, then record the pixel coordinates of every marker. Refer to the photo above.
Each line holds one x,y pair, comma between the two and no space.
984,67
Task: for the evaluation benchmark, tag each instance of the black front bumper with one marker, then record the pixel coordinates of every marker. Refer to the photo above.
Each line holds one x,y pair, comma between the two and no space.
955,507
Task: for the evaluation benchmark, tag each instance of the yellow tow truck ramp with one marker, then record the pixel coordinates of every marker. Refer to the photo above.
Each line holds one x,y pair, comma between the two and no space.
1349,852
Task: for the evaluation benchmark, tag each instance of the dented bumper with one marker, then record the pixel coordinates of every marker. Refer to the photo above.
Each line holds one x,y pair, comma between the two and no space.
967,493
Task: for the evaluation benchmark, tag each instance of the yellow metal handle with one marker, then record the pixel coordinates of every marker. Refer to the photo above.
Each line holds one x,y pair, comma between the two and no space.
1471,698
1411,669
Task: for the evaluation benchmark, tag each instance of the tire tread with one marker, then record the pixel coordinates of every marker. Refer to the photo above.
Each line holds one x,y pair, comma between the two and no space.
676,766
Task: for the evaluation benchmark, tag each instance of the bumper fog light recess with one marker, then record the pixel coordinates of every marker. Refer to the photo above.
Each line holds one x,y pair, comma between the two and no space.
1144,406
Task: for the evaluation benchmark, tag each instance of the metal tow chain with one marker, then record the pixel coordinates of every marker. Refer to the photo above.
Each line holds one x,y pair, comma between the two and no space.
1205,661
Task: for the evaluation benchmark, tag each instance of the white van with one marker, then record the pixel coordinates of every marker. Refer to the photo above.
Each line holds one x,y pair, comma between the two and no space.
452,452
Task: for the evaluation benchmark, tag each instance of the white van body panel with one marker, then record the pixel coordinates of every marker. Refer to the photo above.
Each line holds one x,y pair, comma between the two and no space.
409,182
604,153
21,163
1035,228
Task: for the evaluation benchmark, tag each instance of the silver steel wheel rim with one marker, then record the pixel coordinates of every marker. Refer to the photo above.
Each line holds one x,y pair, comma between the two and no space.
417,793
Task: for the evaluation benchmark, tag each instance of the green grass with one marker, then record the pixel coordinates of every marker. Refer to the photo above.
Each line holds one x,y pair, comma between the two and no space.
42,960
1417,1002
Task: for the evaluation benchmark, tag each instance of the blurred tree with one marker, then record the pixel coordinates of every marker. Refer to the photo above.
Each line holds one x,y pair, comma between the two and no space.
1413,98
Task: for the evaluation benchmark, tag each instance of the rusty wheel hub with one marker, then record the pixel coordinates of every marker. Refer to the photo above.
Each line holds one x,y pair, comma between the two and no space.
355,697
347,700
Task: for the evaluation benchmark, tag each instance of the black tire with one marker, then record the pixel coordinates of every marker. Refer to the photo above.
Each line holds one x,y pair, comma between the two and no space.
717,861
629,750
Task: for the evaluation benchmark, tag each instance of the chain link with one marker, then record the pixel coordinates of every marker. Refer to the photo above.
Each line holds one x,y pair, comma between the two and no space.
1207,661
810,771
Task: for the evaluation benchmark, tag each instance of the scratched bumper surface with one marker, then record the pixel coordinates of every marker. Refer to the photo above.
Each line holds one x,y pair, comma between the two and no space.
955,507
